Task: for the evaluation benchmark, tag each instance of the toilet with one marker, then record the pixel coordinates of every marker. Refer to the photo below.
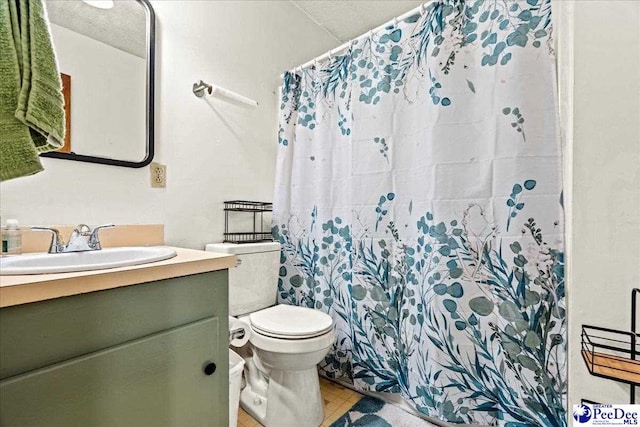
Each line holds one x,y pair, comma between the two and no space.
285,345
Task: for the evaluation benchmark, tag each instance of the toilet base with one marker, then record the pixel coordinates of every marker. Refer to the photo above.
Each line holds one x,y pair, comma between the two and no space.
293,400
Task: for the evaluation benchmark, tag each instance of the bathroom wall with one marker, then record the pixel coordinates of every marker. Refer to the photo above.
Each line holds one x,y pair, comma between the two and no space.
213,151
599,70
107,110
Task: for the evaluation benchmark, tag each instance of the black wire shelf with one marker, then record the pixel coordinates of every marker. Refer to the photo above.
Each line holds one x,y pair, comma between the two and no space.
258,209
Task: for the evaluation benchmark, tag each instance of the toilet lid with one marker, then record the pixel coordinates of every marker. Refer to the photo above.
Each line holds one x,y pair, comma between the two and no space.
291,322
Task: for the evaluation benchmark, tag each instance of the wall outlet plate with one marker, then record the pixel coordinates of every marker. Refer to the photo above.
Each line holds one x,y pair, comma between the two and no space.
158,175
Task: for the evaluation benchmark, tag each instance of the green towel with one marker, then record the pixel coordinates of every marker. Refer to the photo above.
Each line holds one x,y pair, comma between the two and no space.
32,106
41,104
18,155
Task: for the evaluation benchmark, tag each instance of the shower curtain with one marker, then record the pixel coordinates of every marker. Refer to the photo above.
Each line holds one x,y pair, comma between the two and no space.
418,202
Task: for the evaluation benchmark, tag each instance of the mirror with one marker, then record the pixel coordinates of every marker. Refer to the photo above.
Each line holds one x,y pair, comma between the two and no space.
105,52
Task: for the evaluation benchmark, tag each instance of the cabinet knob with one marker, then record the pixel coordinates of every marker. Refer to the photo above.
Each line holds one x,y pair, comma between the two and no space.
209,368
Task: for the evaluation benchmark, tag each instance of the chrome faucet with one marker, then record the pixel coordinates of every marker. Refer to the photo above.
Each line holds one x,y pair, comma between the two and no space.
82,239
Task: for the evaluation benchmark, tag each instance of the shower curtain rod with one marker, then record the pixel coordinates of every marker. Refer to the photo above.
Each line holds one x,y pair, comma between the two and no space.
369,33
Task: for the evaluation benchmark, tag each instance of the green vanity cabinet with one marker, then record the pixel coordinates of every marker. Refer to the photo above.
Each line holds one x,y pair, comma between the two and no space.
153,354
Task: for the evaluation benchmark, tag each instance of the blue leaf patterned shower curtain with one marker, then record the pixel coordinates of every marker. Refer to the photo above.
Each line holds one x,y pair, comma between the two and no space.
418,202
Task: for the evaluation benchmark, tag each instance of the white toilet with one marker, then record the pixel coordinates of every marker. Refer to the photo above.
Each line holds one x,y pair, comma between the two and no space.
286,343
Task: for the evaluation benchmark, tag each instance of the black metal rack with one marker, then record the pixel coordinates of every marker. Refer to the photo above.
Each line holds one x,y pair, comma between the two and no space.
613,354
257,209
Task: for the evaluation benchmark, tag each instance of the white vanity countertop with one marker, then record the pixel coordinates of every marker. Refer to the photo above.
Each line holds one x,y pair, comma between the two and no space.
15,290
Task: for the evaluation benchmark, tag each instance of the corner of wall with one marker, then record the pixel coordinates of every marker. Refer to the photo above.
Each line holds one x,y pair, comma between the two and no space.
563,22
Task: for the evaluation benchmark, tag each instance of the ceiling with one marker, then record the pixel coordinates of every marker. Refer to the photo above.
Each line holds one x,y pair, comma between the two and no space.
346,20
123,26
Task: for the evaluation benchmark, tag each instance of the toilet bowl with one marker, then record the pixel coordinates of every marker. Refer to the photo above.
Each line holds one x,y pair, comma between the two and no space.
287,343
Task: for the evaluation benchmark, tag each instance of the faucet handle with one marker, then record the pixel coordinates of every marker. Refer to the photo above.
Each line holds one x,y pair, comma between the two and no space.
95,230
94,239
57,244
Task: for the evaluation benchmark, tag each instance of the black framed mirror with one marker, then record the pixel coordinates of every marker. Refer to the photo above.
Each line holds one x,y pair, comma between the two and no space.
106,56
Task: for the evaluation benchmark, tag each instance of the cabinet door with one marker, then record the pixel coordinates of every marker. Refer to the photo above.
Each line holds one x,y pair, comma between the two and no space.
40,334
159,380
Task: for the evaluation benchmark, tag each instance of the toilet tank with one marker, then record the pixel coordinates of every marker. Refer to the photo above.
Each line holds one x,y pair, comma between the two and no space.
253,284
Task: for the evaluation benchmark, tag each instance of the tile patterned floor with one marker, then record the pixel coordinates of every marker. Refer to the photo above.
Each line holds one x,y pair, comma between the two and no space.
337,401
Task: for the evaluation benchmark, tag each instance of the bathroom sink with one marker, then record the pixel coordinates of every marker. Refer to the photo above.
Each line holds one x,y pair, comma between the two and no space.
39,263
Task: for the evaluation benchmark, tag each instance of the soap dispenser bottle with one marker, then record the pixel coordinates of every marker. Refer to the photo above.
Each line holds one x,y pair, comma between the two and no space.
11,238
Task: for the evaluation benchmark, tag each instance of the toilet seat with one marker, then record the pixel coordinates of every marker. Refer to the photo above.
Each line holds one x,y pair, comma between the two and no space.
290,329
290,322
